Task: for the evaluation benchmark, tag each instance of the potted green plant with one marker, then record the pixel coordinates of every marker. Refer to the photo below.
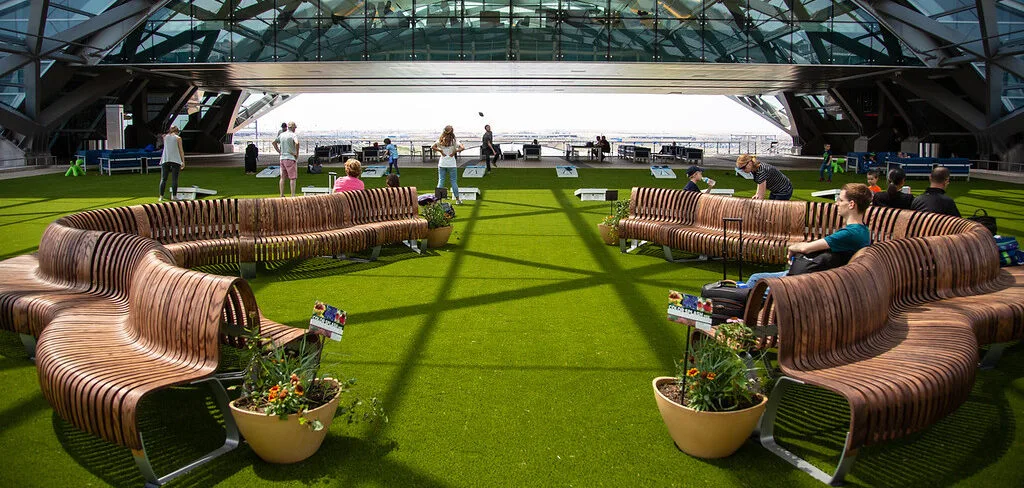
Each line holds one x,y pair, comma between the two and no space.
609,226
439,223
714,403
286,409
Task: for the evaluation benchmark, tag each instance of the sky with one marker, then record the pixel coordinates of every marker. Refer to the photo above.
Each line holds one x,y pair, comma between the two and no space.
606,114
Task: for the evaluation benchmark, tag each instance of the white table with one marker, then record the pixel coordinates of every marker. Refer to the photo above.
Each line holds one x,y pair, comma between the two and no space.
316,190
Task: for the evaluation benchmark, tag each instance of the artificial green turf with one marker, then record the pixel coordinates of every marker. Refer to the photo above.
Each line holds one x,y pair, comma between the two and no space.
519,355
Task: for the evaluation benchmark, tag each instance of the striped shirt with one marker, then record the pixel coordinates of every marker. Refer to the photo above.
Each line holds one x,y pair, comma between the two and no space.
776,181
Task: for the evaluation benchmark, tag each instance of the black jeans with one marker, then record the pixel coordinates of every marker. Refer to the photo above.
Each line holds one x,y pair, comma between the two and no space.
173,169
489,157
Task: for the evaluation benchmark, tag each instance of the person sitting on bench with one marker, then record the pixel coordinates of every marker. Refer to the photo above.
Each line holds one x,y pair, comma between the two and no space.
351,181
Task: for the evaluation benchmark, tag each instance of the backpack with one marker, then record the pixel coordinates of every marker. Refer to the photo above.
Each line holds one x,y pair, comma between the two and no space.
1009,251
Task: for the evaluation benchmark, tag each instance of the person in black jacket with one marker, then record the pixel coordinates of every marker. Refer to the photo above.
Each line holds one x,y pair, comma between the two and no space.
252,155
934,199
893,196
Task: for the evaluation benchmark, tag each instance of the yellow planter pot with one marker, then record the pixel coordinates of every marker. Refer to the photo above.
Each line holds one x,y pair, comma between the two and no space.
609,235
706,434
285,441
438,237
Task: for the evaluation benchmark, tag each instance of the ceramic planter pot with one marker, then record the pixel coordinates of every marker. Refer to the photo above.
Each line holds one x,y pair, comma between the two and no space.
438,237
706,434
609,235
285,441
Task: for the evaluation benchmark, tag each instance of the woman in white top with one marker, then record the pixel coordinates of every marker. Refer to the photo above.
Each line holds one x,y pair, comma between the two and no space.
172,161
448,147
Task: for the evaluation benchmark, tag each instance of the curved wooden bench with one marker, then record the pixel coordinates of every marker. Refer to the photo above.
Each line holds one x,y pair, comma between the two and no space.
905,370
121,271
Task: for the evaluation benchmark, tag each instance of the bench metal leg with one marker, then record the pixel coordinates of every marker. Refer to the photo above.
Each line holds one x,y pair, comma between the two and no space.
231,440
767,430
668,256
30,345
991,359
247,270
414,245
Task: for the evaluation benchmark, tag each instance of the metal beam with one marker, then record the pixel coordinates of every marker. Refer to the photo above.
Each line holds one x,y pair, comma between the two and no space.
850,112
1008,126
33,95
36,25
17,121
911,125
955,108
73,102
96,24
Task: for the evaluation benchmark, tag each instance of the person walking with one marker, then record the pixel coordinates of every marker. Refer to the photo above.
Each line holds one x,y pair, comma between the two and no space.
448,146
287,145
487,151
171,162
252,155
767,177
826,164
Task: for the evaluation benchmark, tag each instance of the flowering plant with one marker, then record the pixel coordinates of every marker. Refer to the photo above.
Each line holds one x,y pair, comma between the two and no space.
437,215
713,377
620,209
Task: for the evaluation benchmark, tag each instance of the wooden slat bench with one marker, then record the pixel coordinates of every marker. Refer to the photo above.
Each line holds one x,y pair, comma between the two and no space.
904,370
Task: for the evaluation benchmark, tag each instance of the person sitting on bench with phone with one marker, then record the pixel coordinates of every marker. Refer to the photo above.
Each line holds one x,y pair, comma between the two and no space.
853,202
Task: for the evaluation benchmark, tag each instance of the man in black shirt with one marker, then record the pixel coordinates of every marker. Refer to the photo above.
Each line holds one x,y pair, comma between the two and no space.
934,199
487,151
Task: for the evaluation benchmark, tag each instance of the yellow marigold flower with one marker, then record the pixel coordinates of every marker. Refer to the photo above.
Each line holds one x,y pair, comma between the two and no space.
298,390
692,372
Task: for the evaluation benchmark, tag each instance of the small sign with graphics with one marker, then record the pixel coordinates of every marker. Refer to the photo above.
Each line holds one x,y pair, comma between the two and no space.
475,171
327,321
690,310
566,172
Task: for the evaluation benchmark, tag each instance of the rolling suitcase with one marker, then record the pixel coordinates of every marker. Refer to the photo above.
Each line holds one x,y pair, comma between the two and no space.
727,299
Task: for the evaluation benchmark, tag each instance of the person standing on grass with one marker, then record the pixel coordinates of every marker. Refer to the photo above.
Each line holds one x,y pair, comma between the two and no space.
252,155
392,151
487,151
826,164
287,145
449,147
351,181
171,162
767,177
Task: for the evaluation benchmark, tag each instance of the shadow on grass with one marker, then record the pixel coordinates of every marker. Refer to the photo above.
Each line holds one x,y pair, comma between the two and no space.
13,350
812,423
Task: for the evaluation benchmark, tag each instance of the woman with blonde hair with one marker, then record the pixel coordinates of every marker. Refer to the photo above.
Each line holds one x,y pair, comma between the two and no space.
351,181
767,177
171,162
448,147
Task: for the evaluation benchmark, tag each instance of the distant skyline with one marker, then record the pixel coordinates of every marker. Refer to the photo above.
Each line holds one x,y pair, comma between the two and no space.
606,114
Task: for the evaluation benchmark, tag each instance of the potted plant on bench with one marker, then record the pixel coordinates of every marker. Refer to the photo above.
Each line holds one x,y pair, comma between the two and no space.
439,217
286,409
609,226
712,406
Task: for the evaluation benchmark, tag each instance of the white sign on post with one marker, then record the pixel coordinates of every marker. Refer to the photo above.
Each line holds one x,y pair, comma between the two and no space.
327,321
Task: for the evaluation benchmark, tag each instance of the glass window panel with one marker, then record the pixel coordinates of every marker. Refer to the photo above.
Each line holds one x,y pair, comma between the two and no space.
15,22
58,20
211,9
817,10
679,9
343,40
809,46
632,42
533,42
717,11
212,42
1013,92
173,42
486,37
298,40
762,11
390,39
440,8
725,42
582,43
770,43
307,10
678,41
439,40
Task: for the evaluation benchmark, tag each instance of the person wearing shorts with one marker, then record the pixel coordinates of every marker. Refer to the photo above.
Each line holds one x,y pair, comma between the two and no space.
287,144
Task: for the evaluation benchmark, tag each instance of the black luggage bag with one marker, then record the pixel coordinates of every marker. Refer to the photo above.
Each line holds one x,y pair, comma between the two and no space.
727,300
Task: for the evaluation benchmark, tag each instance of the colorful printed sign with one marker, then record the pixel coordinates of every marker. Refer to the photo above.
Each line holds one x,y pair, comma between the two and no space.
690,310
327,321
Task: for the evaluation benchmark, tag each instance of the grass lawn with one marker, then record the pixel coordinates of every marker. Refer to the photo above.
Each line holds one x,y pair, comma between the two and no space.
519,355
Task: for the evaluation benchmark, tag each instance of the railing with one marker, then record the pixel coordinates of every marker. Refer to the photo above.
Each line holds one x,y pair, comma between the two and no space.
29,160
1012,167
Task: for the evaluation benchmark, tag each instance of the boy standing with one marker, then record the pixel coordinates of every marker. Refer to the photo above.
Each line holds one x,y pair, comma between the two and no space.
392,151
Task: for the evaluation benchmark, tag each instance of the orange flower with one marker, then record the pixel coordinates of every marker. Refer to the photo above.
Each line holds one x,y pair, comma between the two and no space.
692,372
298,390
283,394
711,376
295,378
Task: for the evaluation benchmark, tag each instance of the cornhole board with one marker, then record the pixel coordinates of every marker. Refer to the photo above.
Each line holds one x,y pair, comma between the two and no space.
375,171
316,190
596,194
722,191
663,172
270,172
474,171
566,172
467,193
192,193
829,194
748,176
